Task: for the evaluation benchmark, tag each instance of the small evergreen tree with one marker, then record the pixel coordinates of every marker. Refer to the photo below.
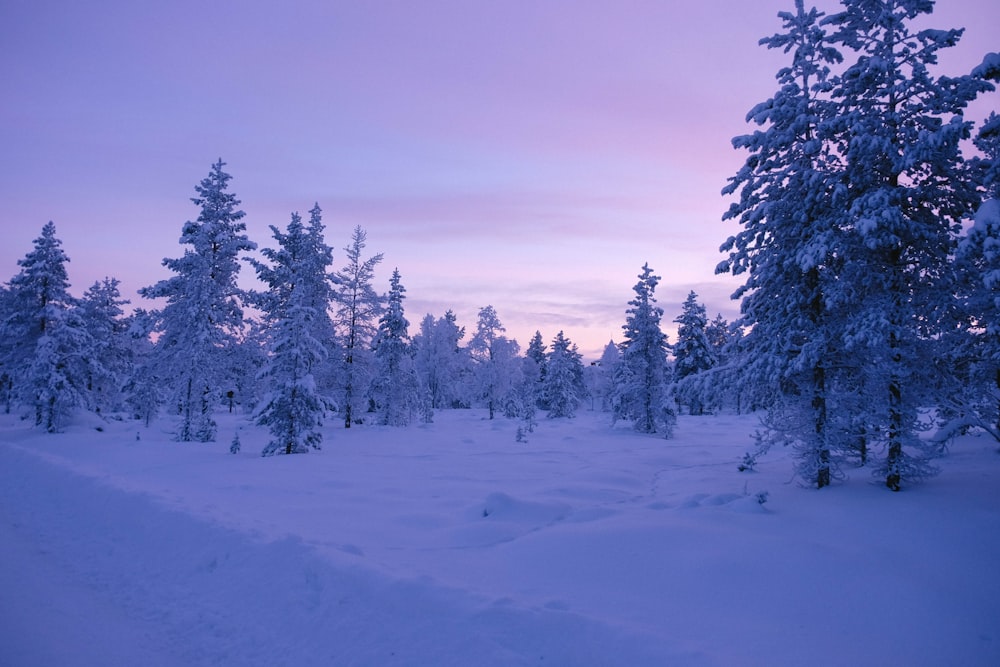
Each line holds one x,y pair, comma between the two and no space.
641,377
395,389
563,385
536,351
693,352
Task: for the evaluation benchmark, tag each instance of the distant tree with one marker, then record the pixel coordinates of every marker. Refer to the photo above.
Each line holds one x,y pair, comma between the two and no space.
718,335
641,377
536,351
143,393
493,355
203,314
395,389
693,353
111,359
358,310
599,376
440,361
293,408
563,385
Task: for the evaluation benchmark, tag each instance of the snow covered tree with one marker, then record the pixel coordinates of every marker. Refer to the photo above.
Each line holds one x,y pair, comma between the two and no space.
143,394
693,352
976,345
899,131
790,246
641,377
111,359
292,408
203,313
718,335
44,347
395,389
358,311
599,376
563,386
319,275
493,354
536,351
441,363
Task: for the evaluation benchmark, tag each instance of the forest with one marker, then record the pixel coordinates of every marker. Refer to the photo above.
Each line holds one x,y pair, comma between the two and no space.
868,215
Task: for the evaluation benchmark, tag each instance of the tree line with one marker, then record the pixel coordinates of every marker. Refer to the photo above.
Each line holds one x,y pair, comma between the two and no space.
319,341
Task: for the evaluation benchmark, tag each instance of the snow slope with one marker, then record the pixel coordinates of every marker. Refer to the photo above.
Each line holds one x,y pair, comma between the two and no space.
452,544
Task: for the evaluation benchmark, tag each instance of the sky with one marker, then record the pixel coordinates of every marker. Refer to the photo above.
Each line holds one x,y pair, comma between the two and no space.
529,155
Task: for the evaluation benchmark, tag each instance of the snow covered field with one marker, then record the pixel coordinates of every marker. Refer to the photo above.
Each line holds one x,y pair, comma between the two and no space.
453,544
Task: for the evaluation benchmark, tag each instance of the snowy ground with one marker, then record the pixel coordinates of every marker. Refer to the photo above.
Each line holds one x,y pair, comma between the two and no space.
453,544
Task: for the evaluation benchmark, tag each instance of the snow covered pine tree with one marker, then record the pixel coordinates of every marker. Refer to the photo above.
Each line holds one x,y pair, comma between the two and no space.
641,393
203,314
292,408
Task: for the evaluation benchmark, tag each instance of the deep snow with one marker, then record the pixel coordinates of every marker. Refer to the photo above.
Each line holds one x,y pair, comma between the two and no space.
453,544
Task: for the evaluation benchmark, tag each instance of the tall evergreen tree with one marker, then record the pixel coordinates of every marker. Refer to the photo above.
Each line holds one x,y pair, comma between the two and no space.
319,274
395,390
203,314
358,310
293,408
790,245
641,378
899,130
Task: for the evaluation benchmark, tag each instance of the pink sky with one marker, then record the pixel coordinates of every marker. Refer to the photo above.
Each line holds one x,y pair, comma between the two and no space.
526,155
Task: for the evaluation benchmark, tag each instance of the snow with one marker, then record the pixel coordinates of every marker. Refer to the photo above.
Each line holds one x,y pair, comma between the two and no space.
452,544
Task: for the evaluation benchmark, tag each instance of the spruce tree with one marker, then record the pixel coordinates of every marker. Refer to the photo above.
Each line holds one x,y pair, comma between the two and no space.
395,390
111,360
563,386
536,351
640,379
356,318
693,353
45,350
292,407
203,315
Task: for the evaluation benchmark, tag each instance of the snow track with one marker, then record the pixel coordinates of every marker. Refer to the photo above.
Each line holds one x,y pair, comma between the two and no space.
120,579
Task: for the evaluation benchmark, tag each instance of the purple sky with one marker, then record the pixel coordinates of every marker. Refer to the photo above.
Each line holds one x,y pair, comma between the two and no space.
530,155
